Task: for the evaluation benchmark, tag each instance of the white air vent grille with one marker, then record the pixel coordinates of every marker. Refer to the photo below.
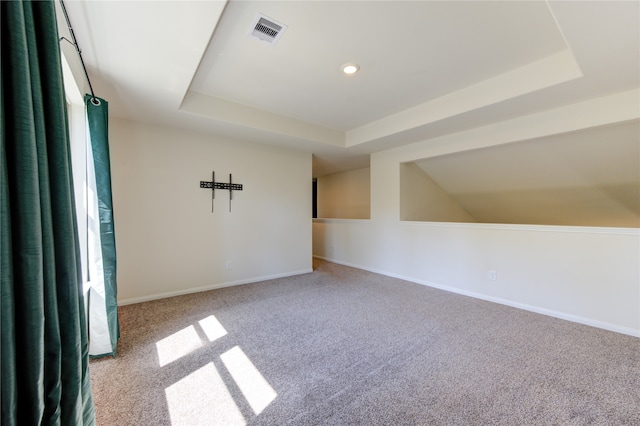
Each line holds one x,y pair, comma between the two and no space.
267,29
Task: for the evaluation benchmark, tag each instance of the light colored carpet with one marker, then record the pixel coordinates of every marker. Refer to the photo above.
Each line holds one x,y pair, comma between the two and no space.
342,346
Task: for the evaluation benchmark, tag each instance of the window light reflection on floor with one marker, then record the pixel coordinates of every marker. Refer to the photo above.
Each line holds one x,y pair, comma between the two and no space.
252,384
178,345
212,328
202,398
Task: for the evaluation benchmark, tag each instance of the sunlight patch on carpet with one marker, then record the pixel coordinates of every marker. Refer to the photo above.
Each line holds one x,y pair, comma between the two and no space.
178,345
256,390
202,398
212,328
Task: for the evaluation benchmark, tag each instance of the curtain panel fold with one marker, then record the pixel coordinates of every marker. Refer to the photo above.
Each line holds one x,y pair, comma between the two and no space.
45,375
104,330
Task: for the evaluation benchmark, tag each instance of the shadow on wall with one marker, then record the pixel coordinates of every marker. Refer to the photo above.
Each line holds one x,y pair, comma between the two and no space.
344,195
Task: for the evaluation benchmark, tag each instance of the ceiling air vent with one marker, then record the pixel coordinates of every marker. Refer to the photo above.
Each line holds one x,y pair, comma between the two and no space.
267,29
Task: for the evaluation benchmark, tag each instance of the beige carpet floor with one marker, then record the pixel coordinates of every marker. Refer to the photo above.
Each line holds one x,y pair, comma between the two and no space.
341,346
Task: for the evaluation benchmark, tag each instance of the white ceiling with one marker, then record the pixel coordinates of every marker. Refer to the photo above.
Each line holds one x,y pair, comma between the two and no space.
398,45
428,68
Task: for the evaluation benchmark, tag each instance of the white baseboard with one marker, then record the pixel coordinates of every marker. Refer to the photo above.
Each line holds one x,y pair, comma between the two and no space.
209,287
556,314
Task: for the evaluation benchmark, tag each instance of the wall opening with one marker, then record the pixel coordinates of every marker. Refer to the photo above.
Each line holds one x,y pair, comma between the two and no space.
344,195
314,195
585,178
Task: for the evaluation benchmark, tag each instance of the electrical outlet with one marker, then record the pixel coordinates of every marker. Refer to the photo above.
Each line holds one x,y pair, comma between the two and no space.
493,275
227,265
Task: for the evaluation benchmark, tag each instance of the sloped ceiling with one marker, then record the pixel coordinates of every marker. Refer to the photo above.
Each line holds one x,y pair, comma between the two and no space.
428,68
586,178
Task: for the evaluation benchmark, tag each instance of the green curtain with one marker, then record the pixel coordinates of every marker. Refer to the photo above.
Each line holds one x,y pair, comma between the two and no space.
103,305
45,376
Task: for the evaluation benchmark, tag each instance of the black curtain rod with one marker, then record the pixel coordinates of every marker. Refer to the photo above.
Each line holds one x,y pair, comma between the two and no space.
74,42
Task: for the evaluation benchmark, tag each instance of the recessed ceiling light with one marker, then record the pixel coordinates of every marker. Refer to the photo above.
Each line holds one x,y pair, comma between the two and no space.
350,68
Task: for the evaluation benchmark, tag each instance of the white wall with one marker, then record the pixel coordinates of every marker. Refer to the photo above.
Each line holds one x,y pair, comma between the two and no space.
587,275
169,242
345,195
